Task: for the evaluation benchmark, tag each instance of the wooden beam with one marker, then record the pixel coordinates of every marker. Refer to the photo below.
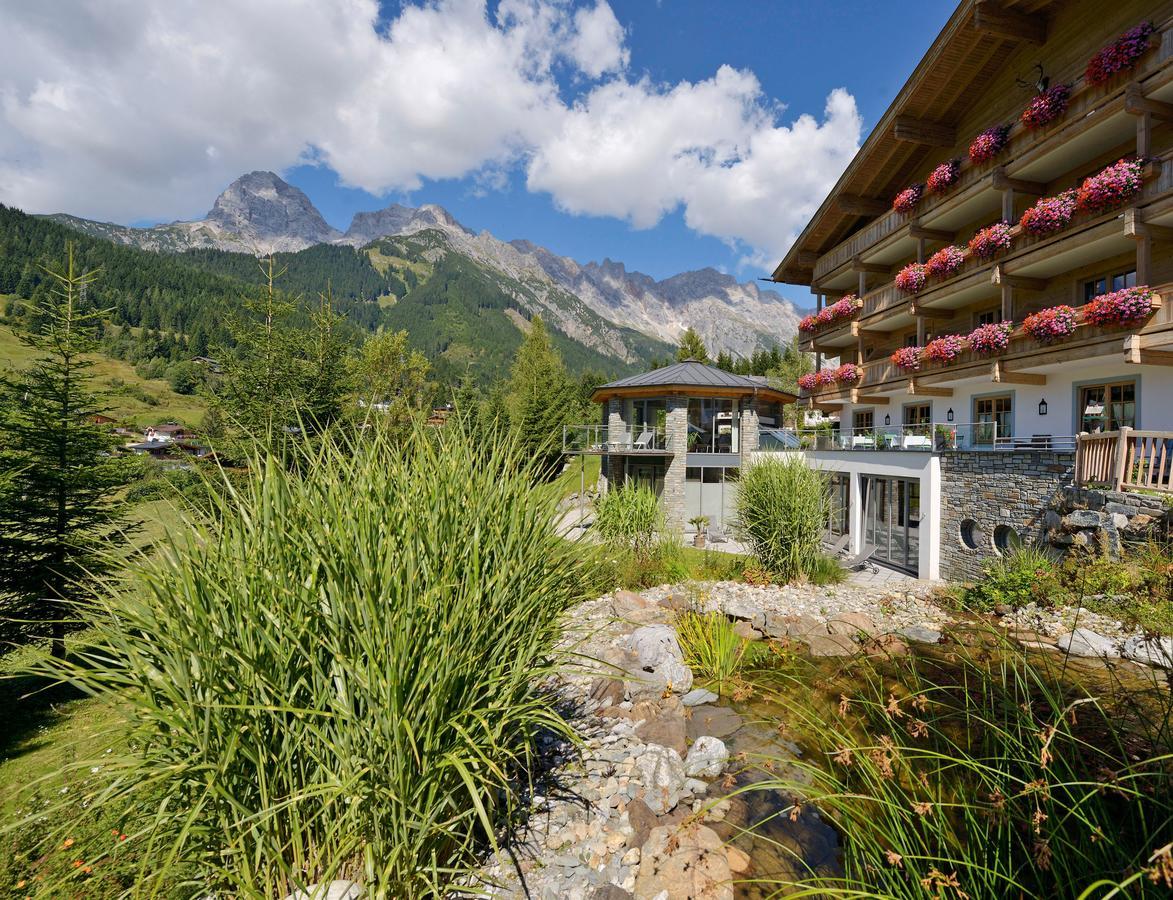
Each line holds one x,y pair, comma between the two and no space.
858,265
923,131
931,234
871,399
1135,227
1137,104
919,390
1001,375
1003,182
937,315
853,205
1137,354
1022,282
993,19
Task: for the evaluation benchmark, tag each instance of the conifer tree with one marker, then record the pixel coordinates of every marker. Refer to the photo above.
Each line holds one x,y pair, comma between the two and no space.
692,347
542,398
59,516
392,378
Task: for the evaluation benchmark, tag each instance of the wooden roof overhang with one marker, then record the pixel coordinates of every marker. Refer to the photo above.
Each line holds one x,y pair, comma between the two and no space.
973,46
603,394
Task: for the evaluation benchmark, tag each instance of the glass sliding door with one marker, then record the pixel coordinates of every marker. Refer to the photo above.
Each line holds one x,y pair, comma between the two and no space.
892,520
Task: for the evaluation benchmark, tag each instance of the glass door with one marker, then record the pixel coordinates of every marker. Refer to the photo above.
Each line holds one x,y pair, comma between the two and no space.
892,521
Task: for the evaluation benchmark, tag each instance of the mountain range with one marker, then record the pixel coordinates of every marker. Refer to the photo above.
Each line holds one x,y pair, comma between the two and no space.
596,304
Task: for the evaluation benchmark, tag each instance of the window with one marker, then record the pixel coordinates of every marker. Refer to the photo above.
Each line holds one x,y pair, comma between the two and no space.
918,414
988,317
993,419
712,426
863,420
1107,407
1115,282
910,340
840,520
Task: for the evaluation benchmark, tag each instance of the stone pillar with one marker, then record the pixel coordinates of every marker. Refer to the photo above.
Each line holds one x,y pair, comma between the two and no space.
676,427
749,430
610,470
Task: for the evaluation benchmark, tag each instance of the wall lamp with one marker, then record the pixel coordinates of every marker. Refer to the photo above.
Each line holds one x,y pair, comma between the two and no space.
949,415
1042,407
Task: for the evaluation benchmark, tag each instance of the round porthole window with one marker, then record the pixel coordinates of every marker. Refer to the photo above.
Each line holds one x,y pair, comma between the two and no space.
971,534
1006,538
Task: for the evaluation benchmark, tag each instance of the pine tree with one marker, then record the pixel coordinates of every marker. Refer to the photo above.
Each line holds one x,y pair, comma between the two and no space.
392,378
724,361
326,379
692,347
542,398
59,517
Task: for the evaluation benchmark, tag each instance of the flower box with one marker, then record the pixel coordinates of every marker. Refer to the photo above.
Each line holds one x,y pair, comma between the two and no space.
989,144
906,201
1046,107
1121,307
906,359
1121,55
843,308
1111,187
944,176
987,340
1050,325
944,349
944,262
990,241
1050,214
849,373
911,278
808,382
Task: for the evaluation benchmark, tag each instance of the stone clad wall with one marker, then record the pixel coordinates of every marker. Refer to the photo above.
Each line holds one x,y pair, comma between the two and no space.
676,428
749,430
1014,488
1101,520
614,421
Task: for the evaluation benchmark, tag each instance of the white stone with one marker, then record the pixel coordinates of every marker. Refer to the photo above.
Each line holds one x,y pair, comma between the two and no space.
1152,652
706,758
698,696
1085,642
661,771
659,658
334,890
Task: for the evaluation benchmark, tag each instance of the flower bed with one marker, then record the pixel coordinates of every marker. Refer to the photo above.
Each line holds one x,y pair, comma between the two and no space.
849,373
987,340
907,200
990,241
907,359
911,278
944,262
944,176
1120,307
989,144
1111,187
1046,107
1050,325
944,349
1049,214
843,308
1123,54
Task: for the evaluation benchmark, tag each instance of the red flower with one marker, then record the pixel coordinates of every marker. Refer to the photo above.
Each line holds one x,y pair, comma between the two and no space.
944,349
1124,53
990,241
1049,214
907,200
1046,107
944,176
944,262
848,373
989,339
907,359
911,278
1120,307
1050,325
989,144
1111,187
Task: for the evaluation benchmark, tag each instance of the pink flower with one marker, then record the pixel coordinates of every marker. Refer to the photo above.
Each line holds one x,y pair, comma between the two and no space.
808,382
988,339
1046,107
989,144
990,241
844,308
849,373
907,359
907,200
1111,187
1120,307
1049,214
1050,325
944,262
911,278
1124,53
944,349
808,323
825,377
944,176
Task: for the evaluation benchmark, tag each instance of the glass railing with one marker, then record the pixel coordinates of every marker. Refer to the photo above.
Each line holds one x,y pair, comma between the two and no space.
614,439
925,438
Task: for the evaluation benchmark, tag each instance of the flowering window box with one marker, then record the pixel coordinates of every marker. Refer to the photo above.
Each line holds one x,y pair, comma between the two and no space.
911,279
989,144
1111,187
1046,107
906,201
906,359
987,340
991,240
1050,214
944,176
842,309
1050,325
944,349
1121,55
1123,307
849,373
944,262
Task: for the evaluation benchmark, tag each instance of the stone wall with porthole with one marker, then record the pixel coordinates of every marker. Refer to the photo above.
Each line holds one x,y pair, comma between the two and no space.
992,502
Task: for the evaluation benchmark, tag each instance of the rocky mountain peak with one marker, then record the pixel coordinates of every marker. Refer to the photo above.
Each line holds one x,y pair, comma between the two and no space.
264,208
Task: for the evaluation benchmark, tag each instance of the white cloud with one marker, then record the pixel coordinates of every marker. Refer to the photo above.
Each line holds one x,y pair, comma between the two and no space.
131,110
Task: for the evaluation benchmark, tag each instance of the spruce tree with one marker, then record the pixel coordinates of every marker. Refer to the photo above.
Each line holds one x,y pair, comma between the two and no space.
393,378
542,399
59,516
692,347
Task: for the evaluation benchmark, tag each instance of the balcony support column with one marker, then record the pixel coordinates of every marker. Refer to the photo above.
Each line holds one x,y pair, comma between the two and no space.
862,284
1144,135
1007,302
1144,259
1008,205
920,250
921,331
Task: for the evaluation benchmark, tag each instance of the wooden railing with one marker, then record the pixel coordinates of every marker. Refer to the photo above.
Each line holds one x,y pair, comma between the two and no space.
1126,460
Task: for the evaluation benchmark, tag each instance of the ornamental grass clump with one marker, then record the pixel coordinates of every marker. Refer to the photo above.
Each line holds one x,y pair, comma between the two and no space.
989,339
1121,55
629,517
335,675
911,278
1112,187
782,509
1121,307
908,199
944,349
907,359
1050,214
989,144
1047,106
990,241
945,262
943,176
1050,325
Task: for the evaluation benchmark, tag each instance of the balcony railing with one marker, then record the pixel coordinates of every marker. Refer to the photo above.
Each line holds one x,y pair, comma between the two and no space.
618,439
926,438
1126,460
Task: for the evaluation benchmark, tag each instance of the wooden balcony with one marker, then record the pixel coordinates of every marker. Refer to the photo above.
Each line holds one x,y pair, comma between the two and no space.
1126,460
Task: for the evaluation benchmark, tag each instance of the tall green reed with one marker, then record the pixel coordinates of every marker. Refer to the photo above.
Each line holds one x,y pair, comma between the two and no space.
336,678
782,508
629,517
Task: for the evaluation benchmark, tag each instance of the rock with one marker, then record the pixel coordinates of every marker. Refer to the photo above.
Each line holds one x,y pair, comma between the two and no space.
738,860
851,624
1150,652
667,730
661,771
660,661
741,609
922,633
1085,642
1119,521
334,890
831,645
746,631
1003,609
684,863
606,691
642,821
1052,519
886,645
706,758
697,696
1081,518
717,721
799,627
676,602
611,892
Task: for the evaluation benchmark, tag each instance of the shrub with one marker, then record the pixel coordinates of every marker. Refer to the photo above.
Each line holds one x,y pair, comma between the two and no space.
990,241
1046,107
908,199
1052,324
629,517
712,649
1024,575
989,144
1119,56
783,507
911,278
337,678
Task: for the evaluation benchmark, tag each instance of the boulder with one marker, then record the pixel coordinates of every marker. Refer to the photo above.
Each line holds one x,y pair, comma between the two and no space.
606,691
611,892
677,602
333,890
741,609
632,607
1085,642
706,758
851,624
1151,651
831,645
698,696
799,627
746,631
1081,518
718,721
659,659
661,771
922,633
684,862
667,730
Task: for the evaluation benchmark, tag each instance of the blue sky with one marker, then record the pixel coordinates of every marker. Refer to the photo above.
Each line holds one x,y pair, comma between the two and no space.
668,135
